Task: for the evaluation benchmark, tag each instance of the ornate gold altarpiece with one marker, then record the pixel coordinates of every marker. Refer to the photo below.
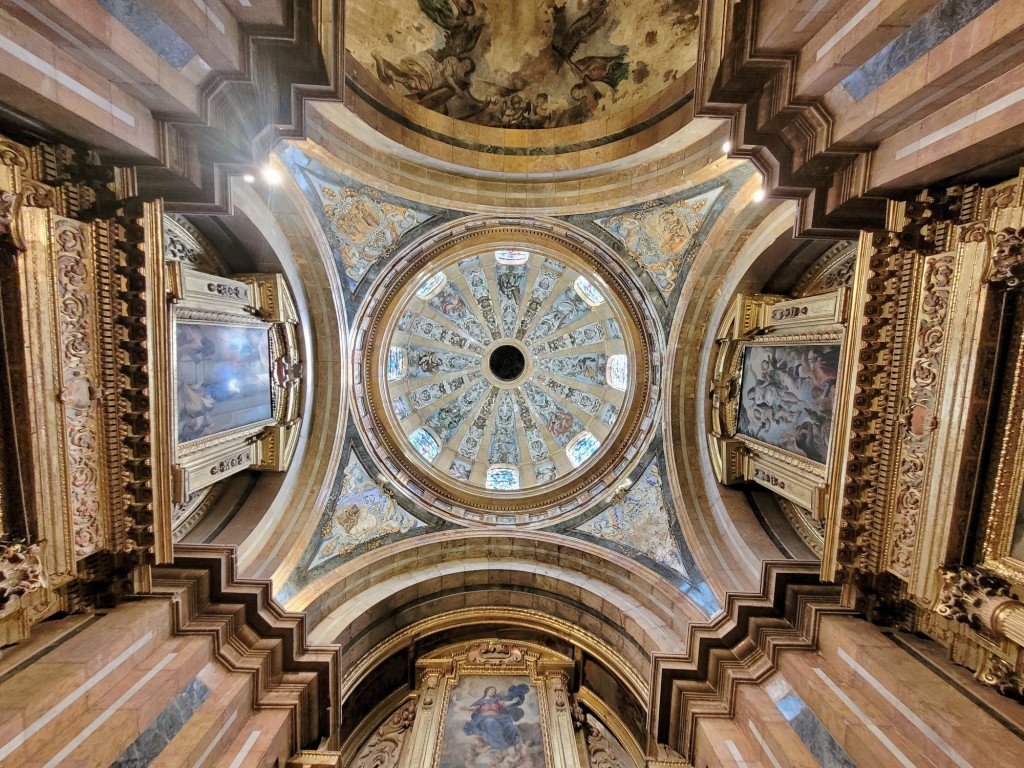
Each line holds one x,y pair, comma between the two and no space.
920,524
92,472
776,322
419,728
201,297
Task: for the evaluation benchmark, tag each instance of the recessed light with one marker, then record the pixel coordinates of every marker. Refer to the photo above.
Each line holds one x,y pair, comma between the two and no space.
270,174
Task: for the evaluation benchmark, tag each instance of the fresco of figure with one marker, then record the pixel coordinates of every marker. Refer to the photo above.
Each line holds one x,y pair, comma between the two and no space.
494,717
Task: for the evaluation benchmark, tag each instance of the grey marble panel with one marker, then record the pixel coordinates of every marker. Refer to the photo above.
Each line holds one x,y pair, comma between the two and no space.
151,742
151,29
939,24
812,732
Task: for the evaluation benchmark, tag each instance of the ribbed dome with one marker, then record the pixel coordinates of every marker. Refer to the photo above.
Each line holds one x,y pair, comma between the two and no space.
507,369
502,367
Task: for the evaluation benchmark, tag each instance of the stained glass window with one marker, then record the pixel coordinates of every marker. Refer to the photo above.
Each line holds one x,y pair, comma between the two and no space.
588,292
617,372
511,257
502,477
425,443
396,363
582,447
432,286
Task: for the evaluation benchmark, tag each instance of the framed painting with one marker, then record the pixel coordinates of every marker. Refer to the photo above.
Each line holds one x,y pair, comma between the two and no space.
223,378
493,720
1003,543
787,396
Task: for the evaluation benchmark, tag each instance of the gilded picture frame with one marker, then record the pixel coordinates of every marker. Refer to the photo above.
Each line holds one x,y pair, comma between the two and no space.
1002,546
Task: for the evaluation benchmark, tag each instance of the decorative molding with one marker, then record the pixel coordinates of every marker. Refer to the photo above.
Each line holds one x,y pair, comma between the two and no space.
384,748
22,571
253,635
739,647
786,136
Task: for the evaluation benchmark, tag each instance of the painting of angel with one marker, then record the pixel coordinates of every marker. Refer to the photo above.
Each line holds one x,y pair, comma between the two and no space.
787,395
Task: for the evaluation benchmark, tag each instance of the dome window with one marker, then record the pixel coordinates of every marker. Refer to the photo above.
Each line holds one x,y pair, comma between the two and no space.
582,447
588,292
511,257
396,364
425,443
617,372
432,286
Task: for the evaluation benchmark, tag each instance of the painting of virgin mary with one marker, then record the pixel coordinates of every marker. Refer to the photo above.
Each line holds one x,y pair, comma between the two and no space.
493,722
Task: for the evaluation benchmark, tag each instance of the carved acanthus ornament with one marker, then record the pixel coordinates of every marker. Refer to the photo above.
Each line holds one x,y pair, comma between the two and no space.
931,315
21,571
1000,675
982,600
1008,258
384,748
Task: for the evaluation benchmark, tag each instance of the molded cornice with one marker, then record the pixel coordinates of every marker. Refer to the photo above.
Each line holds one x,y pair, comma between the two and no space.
252,634
740,646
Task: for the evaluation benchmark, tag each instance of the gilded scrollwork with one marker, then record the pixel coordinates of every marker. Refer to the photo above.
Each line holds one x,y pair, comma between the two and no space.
1001,675
600,750
21,570
384,747
77,346
495,654
1007,265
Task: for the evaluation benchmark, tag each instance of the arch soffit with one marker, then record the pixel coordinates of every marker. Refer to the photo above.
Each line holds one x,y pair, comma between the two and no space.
567,568
726,539
289,228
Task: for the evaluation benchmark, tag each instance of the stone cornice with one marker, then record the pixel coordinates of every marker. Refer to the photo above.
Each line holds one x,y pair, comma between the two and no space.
740,646
788,137
252,634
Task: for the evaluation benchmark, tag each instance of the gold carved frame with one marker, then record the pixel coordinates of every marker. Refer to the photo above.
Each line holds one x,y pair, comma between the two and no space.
758,321
1003,504
441,671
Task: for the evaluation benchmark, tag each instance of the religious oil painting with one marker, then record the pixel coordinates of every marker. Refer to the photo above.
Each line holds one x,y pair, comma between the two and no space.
544,64
223,378
1017,542
493,722
787,396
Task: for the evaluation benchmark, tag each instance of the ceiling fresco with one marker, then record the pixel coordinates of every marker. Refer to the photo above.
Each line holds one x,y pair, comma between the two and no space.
545,64
658,235
639,522
507,369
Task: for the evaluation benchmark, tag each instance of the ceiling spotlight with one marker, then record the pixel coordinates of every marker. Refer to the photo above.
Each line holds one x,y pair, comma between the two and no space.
249,178
759,196
727,147
271,175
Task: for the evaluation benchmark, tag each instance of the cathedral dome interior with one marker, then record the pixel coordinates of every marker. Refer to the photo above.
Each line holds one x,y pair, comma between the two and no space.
478,384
